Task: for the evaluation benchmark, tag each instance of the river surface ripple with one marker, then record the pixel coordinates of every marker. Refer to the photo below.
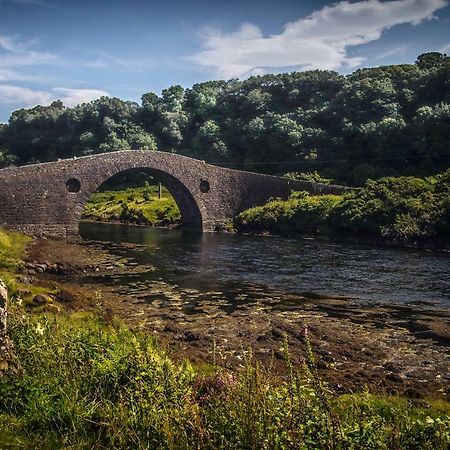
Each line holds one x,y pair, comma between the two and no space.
222,262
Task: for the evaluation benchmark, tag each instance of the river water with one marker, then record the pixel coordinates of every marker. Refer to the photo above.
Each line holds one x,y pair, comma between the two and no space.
228,263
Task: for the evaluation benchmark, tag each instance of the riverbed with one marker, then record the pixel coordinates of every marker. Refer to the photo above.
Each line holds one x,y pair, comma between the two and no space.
378,318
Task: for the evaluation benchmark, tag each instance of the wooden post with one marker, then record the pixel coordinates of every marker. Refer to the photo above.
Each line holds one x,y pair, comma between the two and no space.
159,190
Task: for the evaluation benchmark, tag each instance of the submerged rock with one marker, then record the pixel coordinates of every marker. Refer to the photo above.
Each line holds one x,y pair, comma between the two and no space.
42,299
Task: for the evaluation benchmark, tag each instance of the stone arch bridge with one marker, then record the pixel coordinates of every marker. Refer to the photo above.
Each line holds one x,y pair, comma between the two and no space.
48,199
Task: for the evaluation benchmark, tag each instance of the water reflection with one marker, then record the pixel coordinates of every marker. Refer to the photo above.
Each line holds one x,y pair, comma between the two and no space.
235,264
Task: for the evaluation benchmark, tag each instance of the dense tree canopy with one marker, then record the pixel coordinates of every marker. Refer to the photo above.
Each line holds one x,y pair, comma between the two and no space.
384,121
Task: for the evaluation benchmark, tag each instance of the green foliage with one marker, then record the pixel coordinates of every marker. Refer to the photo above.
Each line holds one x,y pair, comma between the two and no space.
12,247
314,177
133,205
86,381
382,121
301,213
6,159
402,209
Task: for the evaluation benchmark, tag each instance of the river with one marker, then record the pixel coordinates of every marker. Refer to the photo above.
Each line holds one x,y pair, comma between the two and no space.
376,317
226,263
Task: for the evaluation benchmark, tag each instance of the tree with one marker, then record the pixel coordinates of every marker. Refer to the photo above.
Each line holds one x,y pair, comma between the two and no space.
208,141
431,60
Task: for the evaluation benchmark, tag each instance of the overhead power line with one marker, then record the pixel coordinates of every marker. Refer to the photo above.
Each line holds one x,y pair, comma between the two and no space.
404,158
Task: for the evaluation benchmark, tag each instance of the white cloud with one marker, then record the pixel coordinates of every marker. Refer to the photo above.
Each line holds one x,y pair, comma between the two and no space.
7,43
319,41
31,3
392,51
9,75
73,97
26,98
28,58
445,48
22,96
15,54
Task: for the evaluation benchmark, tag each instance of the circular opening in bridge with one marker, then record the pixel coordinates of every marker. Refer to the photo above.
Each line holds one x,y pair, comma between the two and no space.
73,185
204,186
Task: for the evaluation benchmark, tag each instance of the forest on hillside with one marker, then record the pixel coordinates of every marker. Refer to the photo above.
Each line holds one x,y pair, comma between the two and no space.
383,121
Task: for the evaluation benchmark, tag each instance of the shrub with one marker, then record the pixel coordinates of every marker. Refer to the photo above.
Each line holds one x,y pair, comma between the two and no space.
301,213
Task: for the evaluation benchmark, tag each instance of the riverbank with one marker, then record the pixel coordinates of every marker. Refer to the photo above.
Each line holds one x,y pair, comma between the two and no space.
393,349
101,368
392,211
87,381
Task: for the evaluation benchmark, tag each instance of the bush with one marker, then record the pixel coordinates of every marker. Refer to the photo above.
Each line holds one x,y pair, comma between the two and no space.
314,177
403,209
301,213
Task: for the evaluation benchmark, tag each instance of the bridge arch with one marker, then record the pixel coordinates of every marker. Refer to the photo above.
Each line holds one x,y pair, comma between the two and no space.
191,216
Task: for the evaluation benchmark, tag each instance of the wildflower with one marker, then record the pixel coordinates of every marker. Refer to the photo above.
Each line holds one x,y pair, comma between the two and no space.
39,329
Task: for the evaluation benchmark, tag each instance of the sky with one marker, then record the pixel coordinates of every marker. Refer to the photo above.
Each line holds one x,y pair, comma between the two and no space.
77,51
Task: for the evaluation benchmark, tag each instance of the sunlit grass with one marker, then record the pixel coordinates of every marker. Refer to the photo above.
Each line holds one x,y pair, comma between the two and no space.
12,246
133,205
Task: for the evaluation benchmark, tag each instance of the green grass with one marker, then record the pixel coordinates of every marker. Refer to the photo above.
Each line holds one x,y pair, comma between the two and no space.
86,381
133,205
12,246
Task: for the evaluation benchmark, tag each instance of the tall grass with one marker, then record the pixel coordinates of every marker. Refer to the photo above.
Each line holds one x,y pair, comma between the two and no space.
89,382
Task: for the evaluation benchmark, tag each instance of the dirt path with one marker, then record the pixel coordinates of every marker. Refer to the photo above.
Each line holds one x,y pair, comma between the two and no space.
391,349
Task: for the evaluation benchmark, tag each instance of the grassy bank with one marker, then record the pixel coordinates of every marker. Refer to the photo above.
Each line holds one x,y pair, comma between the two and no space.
141,206
406,210
86,381
12,248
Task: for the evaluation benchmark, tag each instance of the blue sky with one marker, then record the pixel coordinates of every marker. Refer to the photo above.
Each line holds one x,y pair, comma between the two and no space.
79,50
